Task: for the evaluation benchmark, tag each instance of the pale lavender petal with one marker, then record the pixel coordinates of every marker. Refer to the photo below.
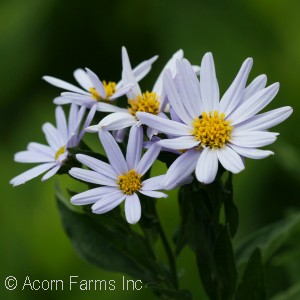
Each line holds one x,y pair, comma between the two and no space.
116,121
61,100
92,196
180,143
33,157
61,122
121,91
230,160
134,146
53,137
83,79
64,85
153,183
50,173
254,104
72,120
40,148
87,123
171,65
253,138
81,100
175,99
32,173
207,166
113,152
164,125
97,84
92,177
132,209
106,107
98,166
251,152
181,168
209,87
148,159
255,86
266,120
233,96
109,202
119,135
154,194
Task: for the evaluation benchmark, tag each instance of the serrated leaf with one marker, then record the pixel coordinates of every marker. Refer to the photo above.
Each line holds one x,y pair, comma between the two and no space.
252,286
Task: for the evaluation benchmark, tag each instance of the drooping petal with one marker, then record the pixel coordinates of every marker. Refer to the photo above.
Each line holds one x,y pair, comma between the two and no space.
230,160
134,146
51,172
106,107
87,123
153,183
154,194
180,143
72,120
254,104
116,121
40,148
266,120
109,202
255,86
92,196
209,86
181,168
148,159
164,125
207,166
175,99
98,166
97,84
251,152
61,122
121,91
92,177
31,173
235,92
83,79
62,100
64,85
113,152
132,208
253,138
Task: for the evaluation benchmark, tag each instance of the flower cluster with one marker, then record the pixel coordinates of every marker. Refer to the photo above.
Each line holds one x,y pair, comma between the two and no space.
183,114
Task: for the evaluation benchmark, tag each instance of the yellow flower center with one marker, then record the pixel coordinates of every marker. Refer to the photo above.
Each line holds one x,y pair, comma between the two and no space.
148,102
130,182
110,89
60,151
212,130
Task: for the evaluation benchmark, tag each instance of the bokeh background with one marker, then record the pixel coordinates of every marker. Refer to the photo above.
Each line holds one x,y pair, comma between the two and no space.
53,37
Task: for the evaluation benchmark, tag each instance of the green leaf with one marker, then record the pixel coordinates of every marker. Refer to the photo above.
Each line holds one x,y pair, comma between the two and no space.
268,239
225,264
293,293
108,242
171,294
252,286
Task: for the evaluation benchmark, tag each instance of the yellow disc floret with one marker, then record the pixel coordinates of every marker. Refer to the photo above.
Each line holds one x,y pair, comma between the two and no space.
148,102
212,130
130,182
60,151
110,89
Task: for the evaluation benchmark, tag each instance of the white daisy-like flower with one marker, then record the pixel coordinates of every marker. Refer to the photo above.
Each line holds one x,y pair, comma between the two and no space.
121,179
212,131
93,89
151,102
51,158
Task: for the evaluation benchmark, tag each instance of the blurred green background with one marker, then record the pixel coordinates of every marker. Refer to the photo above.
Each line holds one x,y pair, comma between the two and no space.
53,37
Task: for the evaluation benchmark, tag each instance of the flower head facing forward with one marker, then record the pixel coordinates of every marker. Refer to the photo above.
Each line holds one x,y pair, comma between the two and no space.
122,178
93,90
52,157
214,130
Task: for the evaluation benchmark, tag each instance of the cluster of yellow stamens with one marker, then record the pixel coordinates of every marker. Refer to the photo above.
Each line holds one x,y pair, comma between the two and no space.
212,130
130,182
60,151
109,87
148,102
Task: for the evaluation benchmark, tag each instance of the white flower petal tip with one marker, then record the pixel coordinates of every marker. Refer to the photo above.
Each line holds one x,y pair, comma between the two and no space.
132,209
93,129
